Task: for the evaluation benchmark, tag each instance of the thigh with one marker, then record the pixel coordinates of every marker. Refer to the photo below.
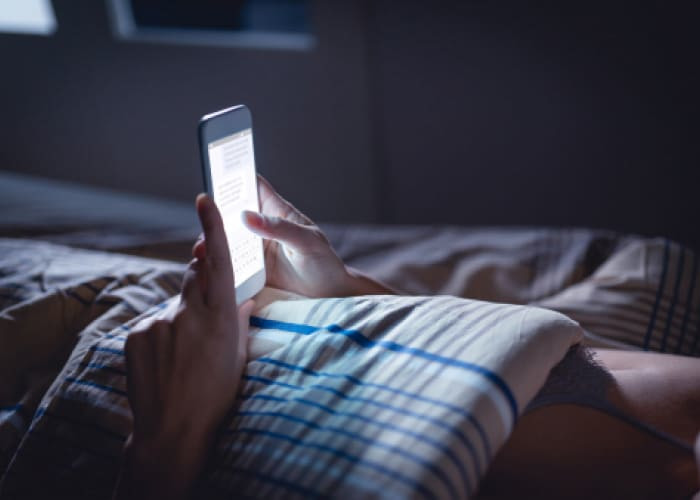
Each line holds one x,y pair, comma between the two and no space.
571,451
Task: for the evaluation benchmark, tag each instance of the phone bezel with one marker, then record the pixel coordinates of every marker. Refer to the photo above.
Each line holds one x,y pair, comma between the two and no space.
212,127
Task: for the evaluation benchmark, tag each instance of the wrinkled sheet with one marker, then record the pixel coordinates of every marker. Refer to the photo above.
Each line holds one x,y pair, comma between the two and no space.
348,396
360,397
626,291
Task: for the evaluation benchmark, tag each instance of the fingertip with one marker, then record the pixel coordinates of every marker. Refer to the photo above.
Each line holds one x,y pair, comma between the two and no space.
200,204
253,220
210,219
201,198
204,204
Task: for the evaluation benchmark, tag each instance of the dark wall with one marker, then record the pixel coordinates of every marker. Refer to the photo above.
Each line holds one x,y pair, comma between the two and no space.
562,113
85,106
468,112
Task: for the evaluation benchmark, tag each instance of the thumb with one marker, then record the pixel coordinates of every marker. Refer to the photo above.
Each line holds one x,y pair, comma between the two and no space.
301,238
217,259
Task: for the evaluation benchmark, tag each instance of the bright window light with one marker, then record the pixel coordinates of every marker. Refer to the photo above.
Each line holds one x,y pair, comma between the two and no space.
30,17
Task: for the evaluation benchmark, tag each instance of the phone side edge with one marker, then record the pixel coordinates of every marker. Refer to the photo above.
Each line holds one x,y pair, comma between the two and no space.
251,287
204,155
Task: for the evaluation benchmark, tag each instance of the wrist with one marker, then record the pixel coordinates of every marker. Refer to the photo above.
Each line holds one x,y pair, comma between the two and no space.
164,465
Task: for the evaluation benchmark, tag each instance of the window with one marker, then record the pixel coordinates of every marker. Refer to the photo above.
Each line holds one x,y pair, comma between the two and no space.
27,17
277,24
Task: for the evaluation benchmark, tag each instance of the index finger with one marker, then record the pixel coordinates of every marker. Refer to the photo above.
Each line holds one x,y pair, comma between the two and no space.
221,287
272,203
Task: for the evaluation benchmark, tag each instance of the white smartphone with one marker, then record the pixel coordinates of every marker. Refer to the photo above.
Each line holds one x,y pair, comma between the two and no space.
228,163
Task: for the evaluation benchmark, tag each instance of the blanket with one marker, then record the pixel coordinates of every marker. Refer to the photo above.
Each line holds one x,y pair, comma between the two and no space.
626,291
365,396
372,396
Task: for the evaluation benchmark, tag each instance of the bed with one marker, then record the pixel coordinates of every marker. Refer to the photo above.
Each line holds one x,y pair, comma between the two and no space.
383,397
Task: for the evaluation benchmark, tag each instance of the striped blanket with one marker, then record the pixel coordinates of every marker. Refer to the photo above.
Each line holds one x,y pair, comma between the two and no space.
366,396
625,291
371,396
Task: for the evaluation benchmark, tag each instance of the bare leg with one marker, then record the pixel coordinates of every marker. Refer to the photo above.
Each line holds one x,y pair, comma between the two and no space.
569,451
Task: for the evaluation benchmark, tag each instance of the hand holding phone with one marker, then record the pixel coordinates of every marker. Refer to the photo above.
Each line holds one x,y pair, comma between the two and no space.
228,163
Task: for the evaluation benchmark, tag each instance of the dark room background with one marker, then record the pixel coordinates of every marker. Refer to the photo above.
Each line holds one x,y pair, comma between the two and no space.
469,112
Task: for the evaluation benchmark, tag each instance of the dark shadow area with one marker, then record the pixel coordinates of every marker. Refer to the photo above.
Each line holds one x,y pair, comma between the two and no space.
470,113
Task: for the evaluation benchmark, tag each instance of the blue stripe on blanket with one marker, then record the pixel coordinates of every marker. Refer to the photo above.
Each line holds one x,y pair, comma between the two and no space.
100,366
659,293
280,458
410,482
477,463
307,329
11,408
360,339
268,381
265,478
15,286
379,404
459,464
44,411
674,298
95,385
114,336
358,437
418,397
324,388
110,350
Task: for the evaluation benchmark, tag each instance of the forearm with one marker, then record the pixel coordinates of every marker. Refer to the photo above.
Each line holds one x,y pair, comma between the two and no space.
164,467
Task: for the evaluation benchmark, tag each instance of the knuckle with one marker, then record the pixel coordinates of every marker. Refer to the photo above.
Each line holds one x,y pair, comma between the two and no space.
319,237
274,222
140,339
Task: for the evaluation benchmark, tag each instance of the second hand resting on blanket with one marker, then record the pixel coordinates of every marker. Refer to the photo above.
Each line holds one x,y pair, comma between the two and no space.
183,375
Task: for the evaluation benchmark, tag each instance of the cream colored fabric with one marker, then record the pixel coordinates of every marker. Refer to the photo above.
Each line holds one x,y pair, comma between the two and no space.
367,396
626,292
363,396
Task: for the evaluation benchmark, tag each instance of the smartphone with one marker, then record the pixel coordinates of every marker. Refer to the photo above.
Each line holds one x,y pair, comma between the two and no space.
228,164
